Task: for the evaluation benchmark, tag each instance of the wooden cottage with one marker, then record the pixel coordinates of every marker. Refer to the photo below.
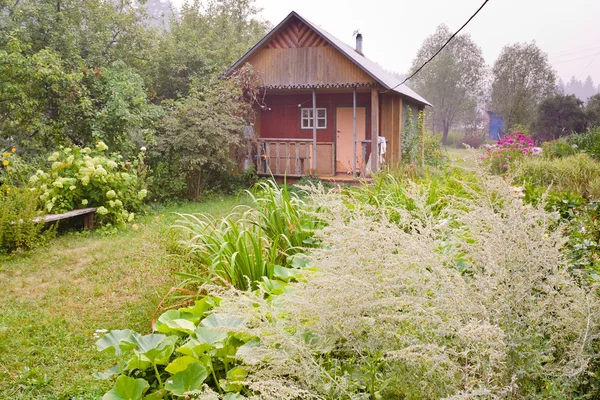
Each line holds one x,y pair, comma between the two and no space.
327,108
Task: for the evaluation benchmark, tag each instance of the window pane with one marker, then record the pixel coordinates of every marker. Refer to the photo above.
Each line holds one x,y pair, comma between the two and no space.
321,112
321,123
305,113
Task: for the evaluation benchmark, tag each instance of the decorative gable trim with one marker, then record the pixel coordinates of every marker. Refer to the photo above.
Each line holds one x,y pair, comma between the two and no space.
296,35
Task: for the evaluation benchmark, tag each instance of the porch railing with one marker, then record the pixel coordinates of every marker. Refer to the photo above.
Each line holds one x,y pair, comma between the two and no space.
289,157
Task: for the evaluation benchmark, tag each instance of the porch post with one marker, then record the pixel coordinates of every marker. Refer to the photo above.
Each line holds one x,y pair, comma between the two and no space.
374,129
314,112
354,141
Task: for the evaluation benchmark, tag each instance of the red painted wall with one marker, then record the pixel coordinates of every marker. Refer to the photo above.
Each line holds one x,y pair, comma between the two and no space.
281,116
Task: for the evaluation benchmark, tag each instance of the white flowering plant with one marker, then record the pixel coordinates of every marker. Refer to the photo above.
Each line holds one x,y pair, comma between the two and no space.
85,177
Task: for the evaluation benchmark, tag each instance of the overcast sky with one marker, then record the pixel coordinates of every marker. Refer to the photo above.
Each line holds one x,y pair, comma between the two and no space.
569,31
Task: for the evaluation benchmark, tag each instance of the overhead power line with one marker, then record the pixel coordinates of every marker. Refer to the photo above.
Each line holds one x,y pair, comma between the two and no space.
441,48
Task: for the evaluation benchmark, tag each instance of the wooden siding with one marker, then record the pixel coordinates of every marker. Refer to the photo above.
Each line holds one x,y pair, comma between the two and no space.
375,114
307,66
391,126
296,34
281,117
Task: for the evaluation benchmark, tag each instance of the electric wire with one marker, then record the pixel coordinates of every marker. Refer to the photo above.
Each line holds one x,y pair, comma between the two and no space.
441,48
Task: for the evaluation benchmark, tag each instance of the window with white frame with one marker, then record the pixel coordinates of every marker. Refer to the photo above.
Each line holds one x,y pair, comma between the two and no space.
307,118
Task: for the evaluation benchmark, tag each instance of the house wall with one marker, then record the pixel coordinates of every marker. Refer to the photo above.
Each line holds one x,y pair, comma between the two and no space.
281,116
391,125
306,66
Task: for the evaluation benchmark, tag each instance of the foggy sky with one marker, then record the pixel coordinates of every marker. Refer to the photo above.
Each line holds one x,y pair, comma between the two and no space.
569,31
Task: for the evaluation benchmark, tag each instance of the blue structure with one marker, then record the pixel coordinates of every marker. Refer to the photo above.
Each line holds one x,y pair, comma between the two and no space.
496,126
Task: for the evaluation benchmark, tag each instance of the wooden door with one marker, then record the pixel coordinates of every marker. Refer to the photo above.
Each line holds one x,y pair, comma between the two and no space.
344,121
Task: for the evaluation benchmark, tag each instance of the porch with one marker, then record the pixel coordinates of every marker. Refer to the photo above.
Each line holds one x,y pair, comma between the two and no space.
325,132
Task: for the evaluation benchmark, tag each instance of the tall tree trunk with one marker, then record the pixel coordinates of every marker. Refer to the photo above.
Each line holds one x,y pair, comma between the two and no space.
445,134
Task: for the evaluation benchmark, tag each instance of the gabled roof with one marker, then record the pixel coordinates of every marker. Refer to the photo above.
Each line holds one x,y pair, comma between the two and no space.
384,78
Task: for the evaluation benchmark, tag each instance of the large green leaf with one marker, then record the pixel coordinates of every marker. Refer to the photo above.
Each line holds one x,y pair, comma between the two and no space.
181,364
284,273
272,286
234,375
190,379
127,388
174,321
155,347
223,321
112,371
117,342
194,348
210,336
202,306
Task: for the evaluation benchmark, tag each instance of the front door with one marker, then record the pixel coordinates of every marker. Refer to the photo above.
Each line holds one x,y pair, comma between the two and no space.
344,150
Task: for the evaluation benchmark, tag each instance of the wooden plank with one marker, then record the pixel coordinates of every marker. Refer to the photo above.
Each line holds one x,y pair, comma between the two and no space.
374,127
400,127
306,66
69,214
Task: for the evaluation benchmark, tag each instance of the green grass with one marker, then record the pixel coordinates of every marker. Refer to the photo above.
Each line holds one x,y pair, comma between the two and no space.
464,158
53,299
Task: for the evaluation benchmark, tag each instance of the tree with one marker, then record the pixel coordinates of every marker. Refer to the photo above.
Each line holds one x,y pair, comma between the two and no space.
558,116
202,43
593,111
202,129
453,82
522,78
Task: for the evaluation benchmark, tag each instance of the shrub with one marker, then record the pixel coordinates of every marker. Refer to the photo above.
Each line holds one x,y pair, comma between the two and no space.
588,142
475,141
434,154
18,231
577,173
455,139
476,301
82,177
511,148
558,148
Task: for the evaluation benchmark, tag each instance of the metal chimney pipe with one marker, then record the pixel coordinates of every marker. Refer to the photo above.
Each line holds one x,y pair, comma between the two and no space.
359,43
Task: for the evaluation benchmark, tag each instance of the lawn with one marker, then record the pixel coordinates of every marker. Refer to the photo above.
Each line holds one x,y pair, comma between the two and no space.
53,299
464,158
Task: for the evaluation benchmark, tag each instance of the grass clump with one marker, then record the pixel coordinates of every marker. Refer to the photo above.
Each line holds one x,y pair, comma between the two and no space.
247,244
577,173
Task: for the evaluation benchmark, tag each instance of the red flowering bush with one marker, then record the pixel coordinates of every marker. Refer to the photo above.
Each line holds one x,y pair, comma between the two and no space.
512,147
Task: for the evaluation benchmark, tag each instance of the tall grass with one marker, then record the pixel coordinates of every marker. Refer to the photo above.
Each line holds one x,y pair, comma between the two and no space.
247,244
283,216
577,173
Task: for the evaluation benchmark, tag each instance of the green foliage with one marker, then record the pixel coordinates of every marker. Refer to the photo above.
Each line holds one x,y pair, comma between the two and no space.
202,42
593,111
202,131
559,116
454,79
18,229
558,148
434,154
522,79
574,174
588,142
410,139
82,177
174,366
244,247
236,251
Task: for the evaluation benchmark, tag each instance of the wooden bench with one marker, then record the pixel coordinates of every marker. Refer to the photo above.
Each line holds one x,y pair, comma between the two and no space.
88,217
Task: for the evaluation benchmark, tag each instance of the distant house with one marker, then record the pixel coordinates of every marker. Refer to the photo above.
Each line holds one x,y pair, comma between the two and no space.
327,108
